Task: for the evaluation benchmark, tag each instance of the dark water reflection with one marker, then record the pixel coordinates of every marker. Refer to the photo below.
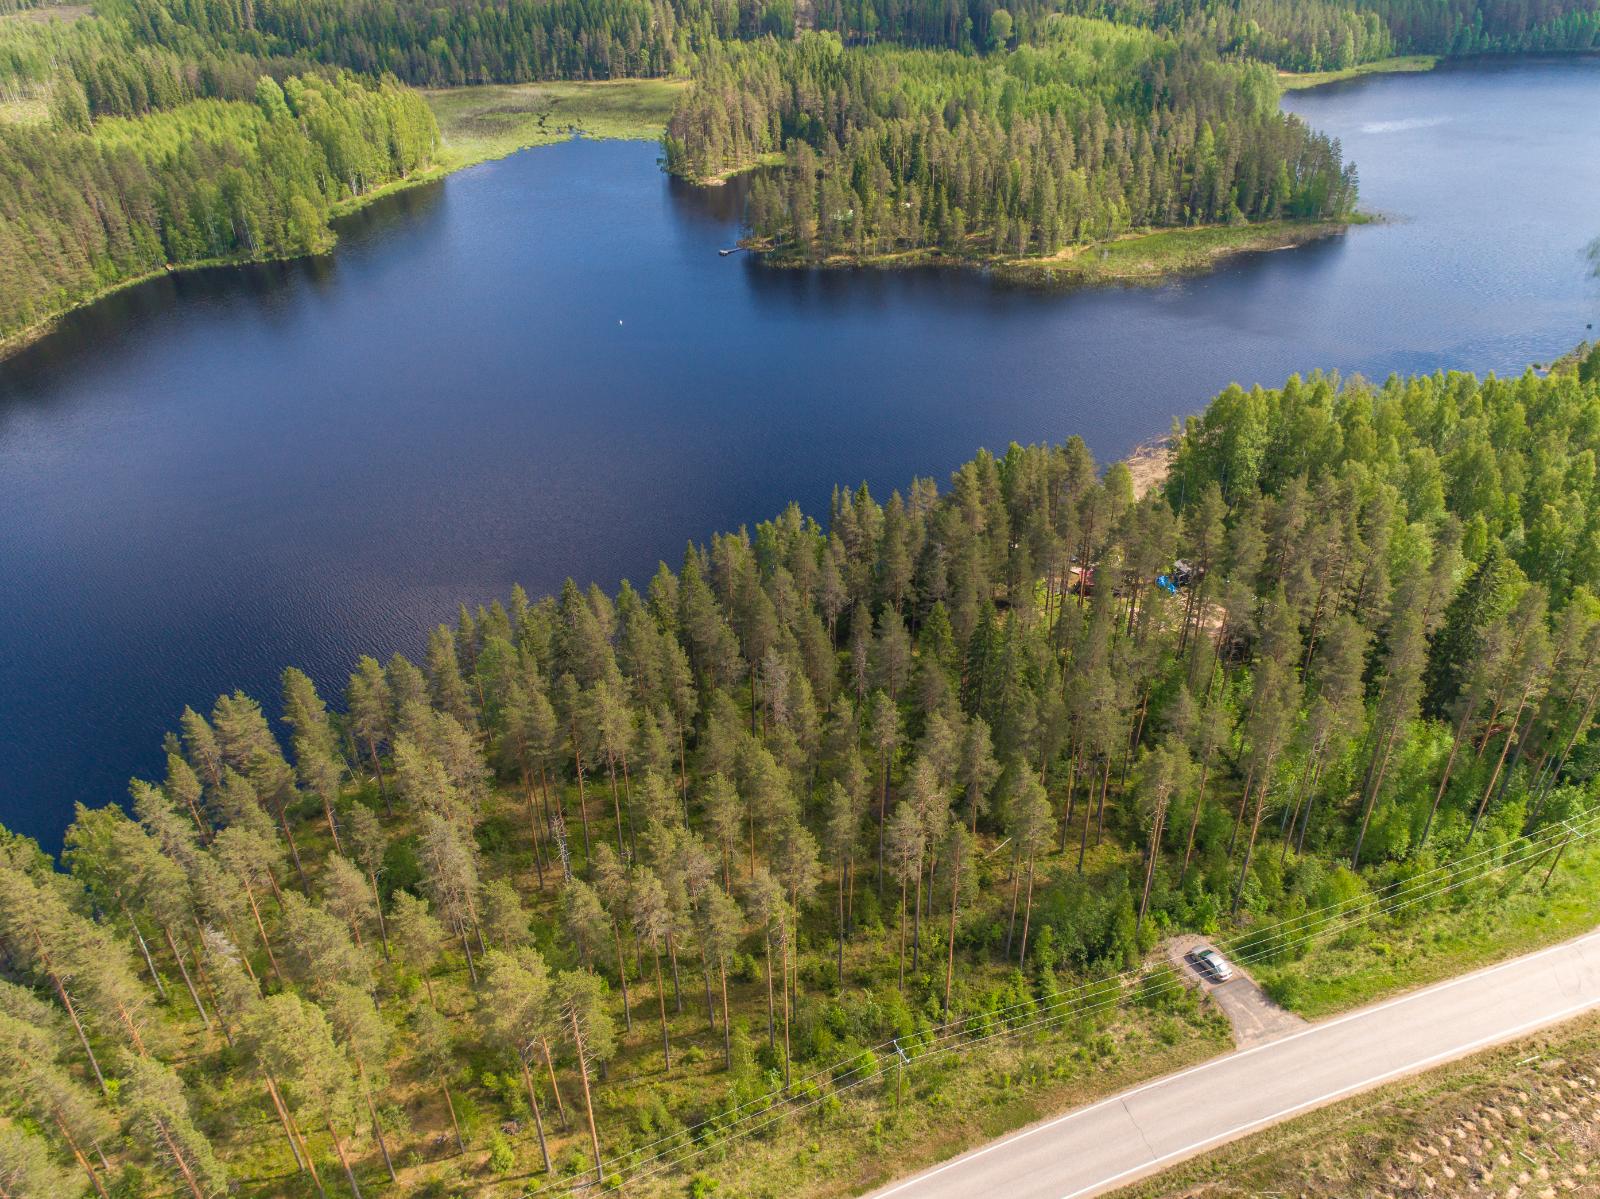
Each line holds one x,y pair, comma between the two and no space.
542,367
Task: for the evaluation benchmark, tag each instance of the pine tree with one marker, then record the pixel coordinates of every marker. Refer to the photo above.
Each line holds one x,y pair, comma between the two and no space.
517,1008
158,1112
588,1030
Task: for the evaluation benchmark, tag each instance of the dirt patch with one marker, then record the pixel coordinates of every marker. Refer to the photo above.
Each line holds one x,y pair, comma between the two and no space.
1149,464
65,13
1254,1017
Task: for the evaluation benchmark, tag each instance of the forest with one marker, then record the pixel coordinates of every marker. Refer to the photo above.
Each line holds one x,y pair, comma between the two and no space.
941,126
85,207
120,158
520,40
1099,129
604,884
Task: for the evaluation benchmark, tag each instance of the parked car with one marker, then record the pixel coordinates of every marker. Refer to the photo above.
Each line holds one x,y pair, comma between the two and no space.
1214,964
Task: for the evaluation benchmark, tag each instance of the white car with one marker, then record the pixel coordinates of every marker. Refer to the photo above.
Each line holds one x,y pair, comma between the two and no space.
1214,964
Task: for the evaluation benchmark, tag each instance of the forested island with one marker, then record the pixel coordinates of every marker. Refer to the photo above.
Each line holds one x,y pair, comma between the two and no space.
1093,130
740,879
138,136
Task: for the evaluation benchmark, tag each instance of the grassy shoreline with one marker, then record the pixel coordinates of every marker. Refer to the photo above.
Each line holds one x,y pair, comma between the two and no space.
1157,255
481,124
1142,256
478,124
1292,81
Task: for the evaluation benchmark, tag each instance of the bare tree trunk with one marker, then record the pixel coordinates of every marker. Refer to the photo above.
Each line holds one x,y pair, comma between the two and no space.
1105,785
1194,822
66,1135
677,984
1249,849
283,1118
727,1035
377,1125
786,1053
622,973
955,896
255,910
772,1026
1449,769
184,972
1372,799
1150,864
144,949
1027,915
661,1001
550,1066
180,1161
916,926
1511,735
843,869
583,803
66,1002
1244,800
588,1102
902,934
711,1006
377,906
533,833
1083,841
616,805
333,831
450,1104
883,815
538,1116
344,1161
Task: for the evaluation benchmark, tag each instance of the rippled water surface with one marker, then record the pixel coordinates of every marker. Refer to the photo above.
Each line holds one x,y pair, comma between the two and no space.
541,367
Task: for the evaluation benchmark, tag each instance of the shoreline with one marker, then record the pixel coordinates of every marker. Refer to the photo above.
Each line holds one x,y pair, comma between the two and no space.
469,153
1146,256
1404,64
1150,462
1168,253
15,343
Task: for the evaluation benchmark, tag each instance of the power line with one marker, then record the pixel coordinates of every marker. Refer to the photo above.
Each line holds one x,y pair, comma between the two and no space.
1254,945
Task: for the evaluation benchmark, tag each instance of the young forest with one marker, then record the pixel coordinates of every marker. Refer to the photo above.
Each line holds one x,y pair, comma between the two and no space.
606,886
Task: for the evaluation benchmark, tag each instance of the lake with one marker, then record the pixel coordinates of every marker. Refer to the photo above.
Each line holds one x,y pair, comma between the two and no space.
541,368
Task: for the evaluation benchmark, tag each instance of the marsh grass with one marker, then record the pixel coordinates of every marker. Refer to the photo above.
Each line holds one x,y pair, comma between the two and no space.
480,123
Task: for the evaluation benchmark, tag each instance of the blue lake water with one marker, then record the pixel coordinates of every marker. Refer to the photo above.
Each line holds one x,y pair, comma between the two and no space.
541,367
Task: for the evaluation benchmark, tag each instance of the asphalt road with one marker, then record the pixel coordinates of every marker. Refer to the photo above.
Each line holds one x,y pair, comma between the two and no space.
1097,1148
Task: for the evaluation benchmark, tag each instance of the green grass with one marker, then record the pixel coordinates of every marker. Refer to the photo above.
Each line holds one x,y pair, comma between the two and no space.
25,110
478,123
994,1091
1519,1118
954,1104
1507,915
1143,256
1405,64
1151,256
